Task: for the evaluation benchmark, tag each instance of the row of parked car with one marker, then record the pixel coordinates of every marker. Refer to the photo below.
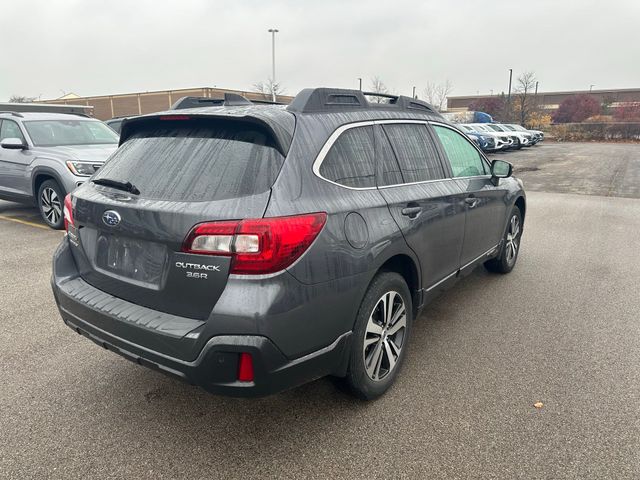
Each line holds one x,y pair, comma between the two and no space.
49,150
492,137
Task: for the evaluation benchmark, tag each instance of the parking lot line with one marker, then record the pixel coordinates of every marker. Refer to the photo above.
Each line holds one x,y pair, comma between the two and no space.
24,222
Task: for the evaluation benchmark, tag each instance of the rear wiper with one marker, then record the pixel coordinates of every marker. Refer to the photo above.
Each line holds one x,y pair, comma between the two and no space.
126,186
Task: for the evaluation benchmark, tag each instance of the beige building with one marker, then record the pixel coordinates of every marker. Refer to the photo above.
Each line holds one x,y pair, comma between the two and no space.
128,104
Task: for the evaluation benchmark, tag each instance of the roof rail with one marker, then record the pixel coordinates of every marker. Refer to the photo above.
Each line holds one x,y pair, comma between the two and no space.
229,100
331,99
15,114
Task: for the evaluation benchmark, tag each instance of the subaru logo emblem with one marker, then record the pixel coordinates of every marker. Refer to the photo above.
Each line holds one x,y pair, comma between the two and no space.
111,218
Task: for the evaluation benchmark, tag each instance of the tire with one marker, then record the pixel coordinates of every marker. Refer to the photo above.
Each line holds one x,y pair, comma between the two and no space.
510,249
366,379
51,203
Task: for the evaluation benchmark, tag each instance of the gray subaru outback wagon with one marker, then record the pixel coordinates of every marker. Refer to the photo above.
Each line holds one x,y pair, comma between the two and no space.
252,248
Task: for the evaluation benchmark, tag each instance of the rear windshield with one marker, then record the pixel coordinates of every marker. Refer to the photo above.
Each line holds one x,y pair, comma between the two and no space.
196,160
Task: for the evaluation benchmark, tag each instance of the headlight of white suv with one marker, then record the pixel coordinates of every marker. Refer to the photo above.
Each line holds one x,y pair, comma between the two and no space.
82,169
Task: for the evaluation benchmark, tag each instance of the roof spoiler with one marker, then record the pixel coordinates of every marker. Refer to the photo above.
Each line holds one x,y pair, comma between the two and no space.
317,100
229,100
130,124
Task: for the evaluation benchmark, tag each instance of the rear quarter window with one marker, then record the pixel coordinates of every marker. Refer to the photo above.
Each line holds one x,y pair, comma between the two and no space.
351,159
196,160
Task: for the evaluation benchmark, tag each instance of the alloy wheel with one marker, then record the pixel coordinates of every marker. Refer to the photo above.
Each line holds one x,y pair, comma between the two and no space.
384,336
513,239
51,205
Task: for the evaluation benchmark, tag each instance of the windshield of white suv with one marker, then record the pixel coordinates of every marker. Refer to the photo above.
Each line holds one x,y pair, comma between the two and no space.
496,128
509,127
53,133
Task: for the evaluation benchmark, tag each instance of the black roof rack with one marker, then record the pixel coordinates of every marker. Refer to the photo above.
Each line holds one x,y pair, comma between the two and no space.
229,100
15,114
331,99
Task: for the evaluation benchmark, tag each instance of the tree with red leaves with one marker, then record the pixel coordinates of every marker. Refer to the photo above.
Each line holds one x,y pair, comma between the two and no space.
627,113
494,106
576,109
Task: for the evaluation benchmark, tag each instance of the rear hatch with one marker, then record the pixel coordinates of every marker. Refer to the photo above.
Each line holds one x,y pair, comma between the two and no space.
188,170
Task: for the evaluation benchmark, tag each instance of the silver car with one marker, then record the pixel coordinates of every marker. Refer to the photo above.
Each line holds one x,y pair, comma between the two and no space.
44,156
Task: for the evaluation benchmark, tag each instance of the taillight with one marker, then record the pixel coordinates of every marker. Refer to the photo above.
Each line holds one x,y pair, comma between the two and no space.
68,212
263,245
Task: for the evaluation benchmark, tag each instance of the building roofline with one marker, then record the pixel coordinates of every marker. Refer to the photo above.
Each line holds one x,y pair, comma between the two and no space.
565,92
175,90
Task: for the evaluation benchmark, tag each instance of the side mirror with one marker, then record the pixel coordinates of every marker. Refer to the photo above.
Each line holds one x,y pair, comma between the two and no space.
501,169
13,144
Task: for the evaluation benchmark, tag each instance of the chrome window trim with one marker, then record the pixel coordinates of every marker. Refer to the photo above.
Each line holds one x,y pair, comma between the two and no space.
327,146
343,128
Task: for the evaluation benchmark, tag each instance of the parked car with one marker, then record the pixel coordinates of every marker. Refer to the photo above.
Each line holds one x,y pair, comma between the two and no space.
115,124
488,142
538,136
523,139
252,248
509,138
44,156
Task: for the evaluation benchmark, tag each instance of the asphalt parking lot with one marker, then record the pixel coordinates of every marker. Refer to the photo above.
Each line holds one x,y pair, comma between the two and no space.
562,329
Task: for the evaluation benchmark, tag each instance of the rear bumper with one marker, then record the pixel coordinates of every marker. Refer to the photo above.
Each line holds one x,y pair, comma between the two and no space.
216,368
185,348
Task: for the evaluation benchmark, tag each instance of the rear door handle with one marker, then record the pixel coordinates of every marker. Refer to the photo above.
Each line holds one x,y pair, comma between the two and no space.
411,212
471,201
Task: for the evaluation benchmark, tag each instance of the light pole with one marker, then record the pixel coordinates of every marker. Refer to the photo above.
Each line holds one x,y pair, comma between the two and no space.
509,95
273,32
414,92
360,83
591,87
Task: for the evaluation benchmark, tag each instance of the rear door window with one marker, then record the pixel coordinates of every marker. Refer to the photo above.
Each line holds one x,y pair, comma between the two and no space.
415,152
464,158
389,170
196,160
351,159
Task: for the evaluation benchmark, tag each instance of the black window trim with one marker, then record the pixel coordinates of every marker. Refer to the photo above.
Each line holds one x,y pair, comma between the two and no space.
482,155
338,131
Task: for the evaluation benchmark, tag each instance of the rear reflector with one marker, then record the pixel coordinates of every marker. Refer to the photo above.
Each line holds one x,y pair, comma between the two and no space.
245,368
259,246
68,212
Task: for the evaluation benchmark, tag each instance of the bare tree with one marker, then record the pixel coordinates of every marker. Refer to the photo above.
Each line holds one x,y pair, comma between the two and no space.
524,101
269,88
436,94
378,86
21,99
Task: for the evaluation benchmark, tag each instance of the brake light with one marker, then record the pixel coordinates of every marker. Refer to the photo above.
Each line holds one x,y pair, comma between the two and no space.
245,367
68,212
258,246
174,117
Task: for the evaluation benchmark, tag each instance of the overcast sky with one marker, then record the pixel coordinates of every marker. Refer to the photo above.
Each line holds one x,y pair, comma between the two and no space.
93,47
